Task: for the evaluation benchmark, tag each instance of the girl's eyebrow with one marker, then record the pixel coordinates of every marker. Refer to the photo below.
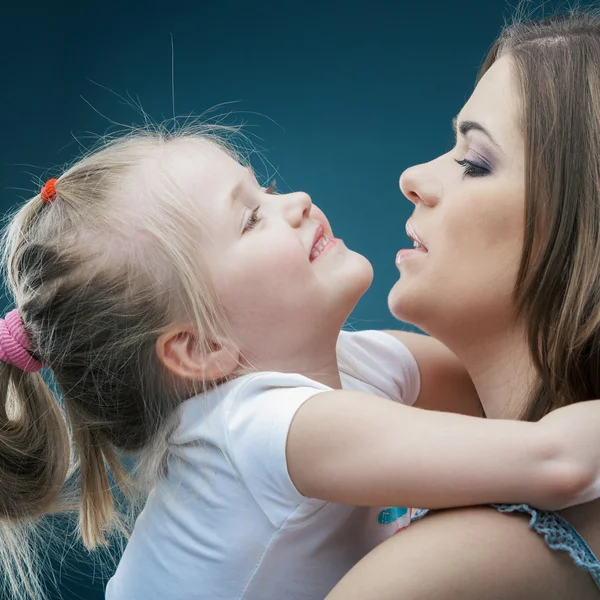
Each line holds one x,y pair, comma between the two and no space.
463,127
237,188
235,192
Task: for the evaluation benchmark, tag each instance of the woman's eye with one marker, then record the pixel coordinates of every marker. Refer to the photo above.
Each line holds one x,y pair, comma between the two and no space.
253,220
472,169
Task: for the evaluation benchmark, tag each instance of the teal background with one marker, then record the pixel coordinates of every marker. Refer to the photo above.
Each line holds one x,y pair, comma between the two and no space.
344,96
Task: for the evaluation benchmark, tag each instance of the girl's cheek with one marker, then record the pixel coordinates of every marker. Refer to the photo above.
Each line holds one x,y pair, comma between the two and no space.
317,214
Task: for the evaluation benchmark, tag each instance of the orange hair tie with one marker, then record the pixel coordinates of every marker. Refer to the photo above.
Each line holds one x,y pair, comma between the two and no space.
48,192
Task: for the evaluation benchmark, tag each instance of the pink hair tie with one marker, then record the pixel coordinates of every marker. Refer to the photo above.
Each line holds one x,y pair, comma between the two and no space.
15,345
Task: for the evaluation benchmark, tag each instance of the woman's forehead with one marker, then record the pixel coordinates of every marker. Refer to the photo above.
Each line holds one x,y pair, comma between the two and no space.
495,103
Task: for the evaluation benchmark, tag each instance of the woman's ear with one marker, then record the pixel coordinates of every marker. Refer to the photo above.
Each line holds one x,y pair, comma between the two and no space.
179,351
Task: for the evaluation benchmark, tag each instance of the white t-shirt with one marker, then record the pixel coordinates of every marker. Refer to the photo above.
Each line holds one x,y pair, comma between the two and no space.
227,522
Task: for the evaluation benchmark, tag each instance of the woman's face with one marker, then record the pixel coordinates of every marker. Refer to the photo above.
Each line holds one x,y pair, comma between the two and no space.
469,215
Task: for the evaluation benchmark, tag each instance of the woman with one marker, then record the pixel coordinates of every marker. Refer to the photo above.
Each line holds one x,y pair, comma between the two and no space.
509,224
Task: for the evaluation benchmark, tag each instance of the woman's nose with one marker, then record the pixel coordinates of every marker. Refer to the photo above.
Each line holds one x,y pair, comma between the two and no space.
419,186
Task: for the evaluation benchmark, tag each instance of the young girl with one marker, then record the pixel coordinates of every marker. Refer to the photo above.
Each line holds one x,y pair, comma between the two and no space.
190,319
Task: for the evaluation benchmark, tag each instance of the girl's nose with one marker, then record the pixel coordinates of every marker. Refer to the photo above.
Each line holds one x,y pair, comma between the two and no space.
297,207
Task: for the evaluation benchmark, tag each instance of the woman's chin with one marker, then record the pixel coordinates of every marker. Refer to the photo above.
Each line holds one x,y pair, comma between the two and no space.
403,305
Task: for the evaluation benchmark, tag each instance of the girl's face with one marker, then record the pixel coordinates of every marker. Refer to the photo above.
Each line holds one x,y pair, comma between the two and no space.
469,216
286,284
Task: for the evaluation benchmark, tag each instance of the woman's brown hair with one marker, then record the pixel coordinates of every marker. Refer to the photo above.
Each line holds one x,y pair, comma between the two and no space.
556,65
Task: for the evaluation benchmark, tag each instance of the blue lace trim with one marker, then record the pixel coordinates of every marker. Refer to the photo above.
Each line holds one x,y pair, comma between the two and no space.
557,531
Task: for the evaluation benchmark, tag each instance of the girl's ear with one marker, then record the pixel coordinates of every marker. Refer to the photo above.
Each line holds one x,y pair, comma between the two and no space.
178,350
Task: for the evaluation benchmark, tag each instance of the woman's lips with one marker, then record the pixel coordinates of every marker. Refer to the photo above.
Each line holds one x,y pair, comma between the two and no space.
412,234
407,253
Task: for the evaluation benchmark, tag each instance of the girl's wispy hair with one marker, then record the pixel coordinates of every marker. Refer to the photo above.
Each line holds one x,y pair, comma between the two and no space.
98,275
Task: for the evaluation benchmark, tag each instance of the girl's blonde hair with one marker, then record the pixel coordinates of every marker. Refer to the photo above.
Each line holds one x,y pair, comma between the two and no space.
98,275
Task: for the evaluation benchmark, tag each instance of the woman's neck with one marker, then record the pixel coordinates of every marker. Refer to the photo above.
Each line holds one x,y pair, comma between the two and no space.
502,372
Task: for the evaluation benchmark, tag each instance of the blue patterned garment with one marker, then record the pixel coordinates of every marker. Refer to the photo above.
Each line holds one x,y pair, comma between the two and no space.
558,533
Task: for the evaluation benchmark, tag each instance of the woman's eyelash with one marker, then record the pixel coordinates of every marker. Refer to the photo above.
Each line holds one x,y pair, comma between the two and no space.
253,220
272,188
472,169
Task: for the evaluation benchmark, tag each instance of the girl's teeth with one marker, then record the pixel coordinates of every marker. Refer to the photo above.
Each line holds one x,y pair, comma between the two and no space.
318,247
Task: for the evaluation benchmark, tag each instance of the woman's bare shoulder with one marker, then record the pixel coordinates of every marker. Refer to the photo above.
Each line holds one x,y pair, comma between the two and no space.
466,554
586,519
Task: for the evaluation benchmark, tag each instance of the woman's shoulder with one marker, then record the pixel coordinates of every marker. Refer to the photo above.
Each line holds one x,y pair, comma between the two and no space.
465,554
585,518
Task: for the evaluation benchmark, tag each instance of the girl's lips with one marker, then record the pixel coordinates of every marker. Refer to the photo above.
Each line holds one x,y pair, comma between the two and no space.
319,233
322,248
323,241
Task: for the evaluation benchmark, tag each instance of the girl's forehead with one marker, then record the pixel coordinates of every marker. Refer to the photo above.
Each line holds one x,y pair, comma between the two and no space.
203,152
205,167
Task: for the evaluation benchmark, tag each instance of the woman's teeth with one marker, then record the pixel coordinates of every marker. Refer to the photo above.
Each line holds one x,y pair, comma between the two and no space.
319,247
416,244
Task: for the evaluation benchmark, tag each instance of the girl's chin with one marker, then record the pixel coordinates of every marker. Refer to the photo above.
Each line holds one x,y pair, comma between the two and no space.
361,282
363,272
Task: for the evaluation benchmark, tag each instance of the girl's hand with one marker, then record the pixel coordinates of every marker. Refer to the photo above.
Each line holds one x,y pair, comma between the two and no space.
574,430
358,449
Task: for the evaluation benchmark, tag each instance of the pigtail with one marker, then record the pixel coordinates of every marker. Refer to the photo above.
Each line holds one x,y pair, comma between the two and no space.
34,463
34,445
97,512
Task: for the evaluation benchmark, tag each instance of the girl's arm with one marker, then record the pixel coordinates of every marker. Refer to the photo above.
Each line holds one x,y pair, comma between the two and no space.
445,383
354,448
466,554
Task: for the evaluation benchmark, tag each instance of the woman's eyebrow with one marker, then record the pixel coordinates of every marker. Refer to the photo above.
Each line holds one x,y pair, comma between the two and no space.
463,127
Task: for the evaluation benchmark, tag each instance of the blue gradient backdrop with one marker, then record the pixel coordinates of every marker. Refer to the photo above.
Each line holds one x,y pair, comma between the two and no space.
344,96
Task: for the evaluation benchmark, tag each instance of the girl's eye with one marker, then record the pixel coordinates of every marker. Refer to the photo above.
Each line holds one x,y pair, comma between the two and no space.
472,169
253,220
